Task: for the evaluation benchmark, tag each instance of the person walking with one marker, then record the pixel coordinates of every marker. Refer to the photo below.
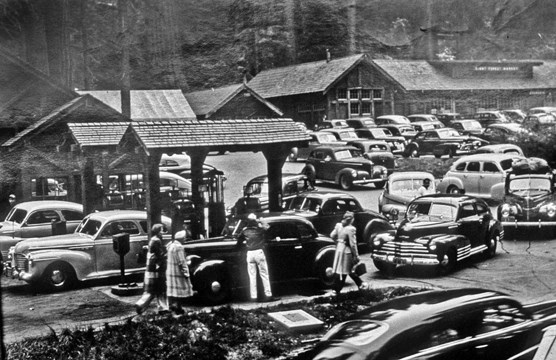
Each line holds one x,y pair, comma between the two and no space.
254,237
347,254
155,274
178,283
7,206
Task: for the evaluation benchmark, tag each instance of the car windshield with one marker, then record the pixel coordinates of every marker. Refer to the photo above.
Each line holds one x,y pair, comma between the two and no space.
347,135
530,183
324,138
506,164
233,227
16,215
378,132
257,189
368,123
305,204
407,187
343,154
406,130
88,227
357,332
430,211
471,125
447,133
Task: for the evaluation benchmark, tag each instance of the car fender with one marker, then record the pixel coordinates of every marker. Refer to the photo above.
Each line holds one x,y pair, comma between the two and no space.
493,226
497,192
80,261
447,181
325,251
310,171
376,226
205,268
447,241
387,208
343,171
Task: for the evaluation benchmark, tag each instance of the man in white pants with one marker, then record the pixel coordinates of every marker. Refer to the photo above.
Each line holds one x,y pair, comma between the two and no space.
254,236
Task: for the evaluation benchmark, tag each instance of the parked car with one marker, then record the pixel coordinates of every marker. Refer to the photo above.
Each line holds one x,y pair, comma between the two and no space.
439,231
542,110
343,134
425,118
528,197
401,188
396,143
255,192
537,121
467,127
445,141
453,324
392,119
344,166
501,133
57,262
325,209
318,138
447,118
361,123
180,164
294,251
333,124
500,149
476,174
407,131
515,115
422,126
378,151
490,117
38,219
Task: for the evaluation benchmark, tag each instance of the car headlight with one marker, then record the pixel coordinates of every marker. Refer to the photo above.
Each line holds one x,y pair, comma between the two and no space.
549,209
505,210
432,246
354,173
394,212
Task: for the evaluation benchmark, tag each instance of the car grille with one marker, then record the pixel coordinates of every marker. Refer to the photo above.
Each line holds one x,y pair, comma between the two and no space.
21,262
404,249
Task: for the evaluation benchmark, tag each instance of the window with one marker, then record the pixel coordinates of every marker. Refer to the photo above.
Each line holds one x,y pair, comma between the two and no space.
431,135
49,188
377,94
71,215
490,167
43,217
118,227
481,209
283,231
467,210
474,166
354,94
366,108
330,207
365,93
460,166
354,108
342,94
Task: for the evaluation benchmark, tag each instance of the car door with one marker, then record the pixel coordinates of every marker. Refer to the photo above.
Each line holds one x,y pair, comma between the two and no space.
39,223
431,141
490,175
318,161
468,221
471,177
107,260
284,250
330,213
72,218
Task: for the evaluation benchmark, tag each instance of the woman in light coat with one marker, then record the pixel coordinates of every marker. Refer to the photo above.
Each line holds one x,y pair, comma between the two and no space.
346,254
178,283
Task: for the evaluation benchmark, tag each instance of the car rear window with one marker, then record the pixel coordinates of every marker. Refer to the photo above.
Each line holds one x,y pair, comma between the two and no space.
506,164
71,215
43,217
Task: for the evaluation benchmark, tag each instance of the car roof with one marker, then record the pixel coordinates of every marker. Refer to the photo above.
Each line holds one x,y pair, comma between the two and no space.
327,195
410,175
494,147
49,204
285,177
465,120
488,156
122,215
507,125
453,199
335,148
271,217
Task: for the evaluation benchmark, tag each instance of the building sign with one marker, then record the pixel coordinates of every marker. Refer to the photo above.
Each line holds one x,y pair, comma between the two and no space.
538,92
496,68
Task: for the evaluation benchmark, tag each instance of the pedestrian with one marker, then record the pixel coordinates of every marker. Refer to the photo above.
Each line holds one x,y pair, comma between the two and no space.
347,254
178,283
254,237
7,206
425,189
155,274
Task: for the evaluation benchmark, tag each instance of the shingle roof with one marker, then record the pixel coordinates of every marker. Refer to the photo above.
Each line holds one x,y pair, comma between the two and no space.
98,134
148,104
206,133
421,75
304,78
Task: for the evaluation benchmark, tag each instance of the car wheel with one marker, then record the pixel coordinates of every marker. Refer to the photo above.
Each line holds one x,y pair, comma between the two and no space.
380,184
346,182
59,276
215,288
449,152
448,262
413,152
492,243
309,171
453,190
325,274
384,267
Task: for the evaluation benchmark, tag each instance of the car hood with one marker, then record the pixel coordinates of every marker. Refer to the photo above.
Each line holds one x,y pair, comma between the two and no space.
529,197
52,242
308,214
409,231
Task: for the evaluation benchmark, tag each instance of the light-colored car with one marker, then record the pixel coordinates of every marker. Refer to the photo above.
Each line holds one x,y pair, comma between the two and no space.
38,219
58,262
318,138
500,148
425,118
477,174
401,188
392,119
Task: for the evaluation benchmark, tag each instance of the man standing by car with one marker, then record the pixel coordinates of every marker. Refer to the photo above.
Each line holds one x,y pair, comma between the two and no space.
254,236
425,189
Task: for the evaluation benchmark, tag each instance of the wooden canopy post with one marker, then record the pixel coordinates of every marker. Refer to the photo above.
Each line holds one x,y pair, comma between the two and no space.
88,185
152,185
198,157
275,158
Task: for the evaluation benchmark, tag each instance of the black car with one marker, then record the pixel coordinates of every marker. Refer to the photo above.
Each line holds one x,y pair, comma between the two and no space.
445,141
455,324
294,251
467,127
405,130
378,151
502,133
396,143
528,197
344,166
361,123
447,118
439,231
325,209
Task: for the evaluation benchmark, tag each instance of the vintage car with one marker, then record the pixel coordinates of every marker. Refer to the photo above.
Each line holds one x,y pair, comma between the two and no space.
396,143
401,188
467,127
500,149
318,138
501,133
255,192
294,251
422,126
476,174
488,117
38,219
515,115
447,118
454,324
344,166
425,118
325,209
378,151
57,262
542,110
180,164
445,141
528,197
392,119
342,134
405,130
439,231
361,123
539,121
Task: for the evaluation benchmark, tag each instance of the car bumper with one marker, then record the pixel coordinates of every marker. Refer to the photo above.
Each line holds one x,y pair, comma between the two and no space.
527,224
407,260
